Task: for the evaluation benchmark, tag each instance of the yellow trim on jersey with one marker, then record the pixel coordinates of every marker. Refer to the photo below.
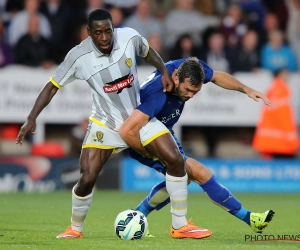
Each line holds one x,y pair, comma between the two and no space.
55,83
148,48
97,122
155,136
97,146
115,150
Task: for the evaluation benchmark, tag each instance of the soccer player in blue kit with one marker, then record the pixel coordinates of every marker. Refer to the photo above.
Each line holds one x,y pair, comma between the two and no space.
189,75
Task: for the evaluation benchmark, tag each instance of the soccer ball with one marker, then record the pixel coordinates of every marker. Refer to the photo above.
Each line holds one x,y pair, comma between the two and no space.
131,225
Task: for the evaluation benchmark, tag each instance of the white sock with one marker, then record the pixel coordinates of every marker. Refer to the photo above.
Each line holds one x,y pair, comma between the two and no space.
80,207
177,189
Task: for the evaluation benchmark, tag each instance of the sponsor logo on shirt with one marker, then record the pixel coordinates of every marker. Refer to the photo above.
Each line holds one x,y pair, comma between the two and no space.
175,113
119,84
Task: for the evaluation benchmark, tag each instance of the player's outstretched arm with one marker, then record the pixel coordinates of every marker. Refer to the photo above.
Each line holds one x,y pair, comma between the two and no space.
129,131
41,102
227,81
155,60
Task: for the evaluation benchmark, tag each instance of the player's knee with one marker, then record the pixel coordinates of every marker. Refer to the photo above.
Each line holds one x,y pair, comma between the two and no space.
175,161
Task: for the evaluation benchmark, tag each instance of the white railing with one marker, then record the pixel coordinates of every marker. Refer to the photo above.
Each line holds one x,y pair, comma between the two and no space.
19,87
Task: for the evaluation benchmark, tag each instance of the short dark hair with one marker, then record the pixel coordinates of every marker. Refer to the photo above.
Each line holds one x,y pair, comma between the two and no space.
191,68
98,15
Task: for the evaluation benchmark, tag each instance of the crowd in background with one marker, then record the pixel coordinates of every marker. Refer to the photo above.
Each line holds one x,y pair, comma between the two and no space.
230,35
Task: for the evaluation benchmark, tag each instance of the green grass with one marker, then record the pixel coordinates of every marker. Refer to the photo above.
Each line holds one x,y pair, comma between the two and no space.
31,221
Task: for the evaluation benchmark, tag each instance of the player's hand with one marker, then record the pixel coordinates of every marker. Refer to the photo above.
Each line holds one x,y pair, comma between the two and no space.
28,126
167,82
255,95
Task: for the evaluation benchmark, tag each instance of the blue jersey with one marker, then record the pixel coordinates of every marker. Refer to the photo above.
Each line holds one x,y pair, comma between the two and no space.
166,107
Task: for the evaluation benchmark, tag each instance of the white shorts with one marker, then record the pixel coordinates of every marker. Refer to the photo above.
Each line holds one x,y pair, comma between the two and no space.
100,136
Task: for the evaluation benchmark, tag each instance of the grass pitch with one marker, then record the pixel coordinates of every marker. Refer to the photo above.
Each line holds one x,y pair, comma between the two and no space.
32,221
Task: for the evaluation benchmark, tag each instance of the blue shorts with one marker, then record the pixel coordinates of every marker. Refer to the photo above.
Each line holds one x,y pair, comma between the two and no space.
157,165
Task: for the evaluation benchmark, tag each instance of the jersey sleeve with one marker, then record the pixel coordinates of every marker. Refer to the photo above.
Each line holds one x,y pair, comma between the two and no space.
66,72
141,45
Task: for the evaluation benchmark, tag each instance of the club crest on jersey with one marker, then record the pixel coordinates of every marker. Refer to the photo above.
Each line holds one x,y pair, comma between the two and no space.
128,62
99,136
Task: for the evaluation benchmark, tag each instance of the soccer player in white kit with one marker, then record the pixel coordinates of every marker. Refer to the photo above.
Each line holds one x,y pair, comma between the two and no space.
107,61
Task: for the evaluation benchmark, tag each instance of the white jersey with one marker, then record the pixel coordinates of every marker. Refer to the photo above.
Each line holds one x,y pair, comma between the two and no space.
113,78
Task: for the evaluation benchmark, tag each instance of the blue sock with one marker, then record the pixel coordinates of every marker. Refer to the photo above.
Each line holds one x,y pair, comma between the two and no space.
244,215
145,207
150,203
222,197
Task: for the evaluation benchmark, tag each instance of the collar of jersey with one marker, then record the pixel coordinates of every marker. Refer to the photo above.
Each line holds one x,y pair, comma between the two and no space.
98,53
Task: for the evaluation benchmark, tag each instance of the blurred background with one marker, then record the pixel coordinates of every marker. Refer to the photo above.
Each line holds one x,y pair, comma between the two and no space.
249,147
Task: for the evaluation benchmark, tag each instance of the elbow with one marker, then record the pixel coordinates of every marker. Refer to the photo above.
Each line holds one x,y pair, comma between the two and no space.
122,133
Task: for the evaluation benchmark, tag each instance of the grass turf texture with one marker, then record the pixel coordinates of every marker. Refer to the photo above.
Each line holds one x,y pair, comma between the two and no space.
32,221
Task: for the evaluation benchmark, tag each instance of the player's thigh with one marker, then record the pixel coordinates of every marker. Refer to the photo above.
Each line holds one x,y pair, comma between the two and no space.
161,144
150,162
196,171
99,143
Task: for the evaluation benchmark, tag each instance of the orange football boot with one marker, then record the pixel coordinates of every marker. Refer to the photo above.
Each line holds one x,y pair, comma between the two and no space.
70,233
190,231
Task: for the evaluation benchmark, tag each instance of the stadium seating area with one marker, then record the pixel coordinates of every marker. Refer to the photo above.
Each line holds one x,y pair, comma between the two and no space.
230,35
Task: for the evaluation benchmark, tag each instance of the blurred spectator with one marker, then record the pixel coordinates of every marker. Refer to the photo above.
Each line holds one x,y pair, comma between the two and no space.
233,26
184,47
6,55
61,20
293,27
128,6
80,34
117,17
83,34
122,3
77,135
216,54
142,21
89,7
33,49
245,58
255,11
278,7
270,23
160,8
276,55
155,42
276,133
184,19
206,7
2,6
19,23
12,7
